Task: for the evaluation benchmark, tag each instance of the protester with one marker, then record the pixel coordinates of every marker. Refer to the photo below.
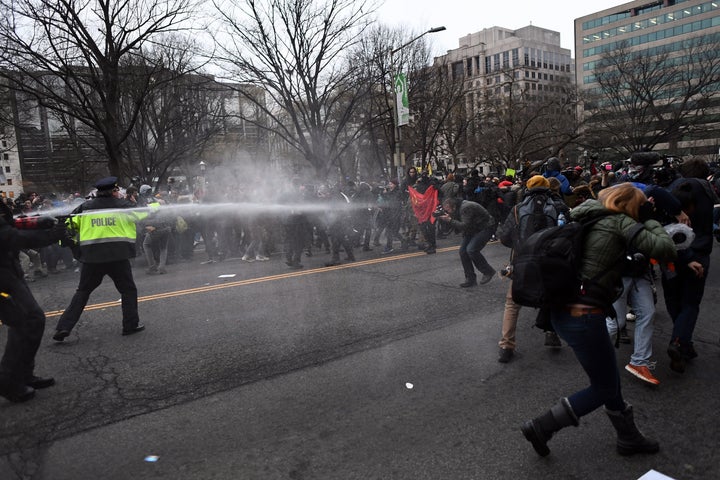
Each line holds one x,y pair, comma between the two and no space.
684,288
581,321
516,228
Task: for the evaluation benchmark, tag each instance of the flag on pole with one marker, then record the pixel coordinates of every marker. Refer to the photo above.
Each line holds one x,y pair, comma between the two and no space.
402,104
424,204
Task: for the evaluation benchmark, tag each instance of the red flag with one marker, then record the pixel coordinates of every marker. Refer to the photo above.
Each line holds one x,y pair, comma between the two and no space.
424,204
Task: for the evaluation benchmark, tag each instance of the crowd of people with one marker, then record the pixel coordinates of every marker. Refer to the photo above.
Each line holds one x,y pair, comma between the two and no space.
302,219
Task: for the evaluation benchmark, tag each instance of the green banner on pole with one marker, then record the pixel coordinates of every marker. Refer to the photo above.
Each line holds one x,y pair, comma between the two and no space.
402,104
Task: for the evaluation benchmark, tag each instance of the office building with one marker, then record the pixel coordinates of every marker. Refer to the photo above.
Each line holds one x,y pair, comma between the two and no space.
661,28
497,61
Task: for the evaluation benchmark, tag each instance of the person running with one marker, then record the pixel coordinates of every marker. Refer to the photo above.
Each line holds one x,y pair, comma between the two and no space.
581,321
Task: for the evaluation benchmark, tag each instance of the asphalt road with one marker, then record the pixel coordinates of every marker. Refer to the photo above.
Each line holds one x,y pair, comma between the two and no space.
379,369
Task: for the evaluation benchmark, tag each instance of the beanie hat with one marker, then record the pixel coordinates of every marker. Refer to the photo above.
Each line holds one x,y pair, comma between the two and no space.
537,181
553,164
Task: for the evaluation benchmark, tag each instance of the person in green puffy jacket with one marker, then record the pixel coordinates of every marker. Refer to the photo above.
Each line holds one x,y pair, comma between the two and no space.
581,322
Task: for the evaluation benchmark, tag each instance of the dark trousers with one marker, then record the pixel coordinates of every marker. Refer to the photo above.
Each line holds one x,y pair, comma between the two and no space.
428,232
338,232
588,337
683,294
25,333
471,254
295,237
91,276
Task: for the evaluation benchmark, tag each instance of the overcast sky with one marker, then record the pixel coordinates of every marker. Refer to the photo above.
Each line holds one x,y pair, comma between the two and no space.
469,16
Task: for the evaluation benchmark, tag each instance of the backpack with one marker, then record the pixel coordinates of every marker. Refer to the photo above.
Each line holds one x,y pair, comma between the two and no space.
546,267
536,212
546,270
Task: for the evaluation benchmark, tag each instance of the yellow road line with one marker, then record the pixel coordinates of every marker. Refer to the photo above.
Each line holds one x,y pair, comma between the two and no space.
251,281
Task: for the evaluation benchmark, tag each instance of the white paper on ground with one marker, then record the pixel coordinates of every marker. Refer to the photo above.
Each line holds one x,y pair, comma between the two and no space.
653,475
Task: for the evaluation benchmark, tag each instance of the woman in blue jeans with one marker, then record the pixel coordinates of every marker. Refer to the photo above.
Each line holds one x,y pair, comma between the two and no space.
581,321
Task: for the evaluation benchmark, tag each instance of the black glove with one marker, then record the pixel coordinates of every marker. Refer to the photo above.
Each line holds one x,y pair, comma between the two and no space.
646,212
59,233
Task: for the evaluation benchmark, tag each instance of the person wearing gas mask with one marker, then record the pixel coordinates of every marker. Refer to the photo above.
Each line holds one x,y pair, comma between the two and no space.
684,287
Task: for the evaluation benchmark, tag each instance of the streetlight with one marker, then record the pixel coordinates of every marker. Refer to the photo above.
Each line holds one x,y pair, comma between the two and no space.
398,82
200,189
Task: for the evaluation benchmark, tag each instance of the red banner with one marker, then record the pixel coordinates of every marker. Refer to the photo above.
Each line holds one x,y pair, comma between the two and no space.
424,204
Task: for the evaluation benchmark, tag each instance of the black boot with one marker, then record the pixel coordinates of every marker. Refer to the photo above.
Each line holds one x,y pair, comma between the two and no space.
539,430
630,440
15,391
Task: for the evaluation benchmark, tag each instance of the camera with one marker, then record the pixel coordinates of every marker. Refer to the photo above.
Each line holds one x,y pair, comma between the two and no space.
439,212
507,271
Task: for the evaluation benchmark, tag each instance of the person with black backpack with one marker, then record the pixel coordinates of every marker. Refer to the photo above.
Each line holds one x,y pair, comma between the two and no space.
579,316
539,209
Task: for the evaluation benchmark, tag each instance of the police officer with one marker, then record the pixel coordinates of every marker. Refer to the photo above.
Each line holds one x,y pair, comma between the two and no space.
105,241
19,311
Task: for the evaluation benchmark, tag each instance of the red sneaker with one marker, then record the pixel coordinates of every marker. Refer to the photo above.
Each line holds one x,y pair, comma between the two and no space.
643,373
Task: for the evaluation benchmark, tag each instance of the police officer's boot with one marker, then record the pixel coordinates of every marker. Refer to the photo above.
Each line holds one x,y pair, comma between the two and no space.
539,430
630,440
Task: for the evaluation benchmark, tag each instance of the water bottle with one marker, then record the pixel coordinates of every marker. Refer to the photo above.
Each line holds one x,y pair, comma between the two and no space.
561,219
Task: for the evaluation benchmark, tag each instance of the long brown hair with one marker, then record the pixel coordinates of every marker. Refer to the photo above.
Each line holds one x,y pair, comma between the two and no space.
623,198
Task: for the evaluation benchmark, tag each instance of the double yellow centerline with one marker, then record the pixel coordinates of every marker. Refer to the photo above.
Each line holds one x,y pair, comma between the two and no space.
252,281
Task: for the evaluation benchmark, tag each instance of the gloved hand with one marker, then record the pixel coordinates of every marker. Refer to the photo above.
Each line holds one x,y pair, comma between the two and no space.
59,233
646,212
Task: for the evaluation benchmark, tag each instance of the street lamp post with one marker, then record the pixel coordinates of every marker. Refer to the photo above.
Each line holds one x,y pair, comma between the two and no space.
200,190
398,132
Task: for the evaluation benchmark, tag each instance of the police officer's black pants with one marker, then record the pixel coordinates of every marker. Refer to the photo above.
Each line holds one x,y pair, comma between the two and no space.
24,336
91,276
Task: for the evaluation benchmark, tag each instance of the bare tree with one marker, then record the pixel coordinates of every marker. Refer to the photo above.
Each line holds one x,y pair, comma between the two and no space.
435,97
650,97
297,51
72,56
515,122
177,119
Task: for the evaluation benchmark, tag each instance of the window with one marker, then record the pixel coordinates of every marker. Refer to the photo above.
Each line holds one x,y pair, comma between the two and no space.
457,70
7,169
9,181
6,156
4,144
